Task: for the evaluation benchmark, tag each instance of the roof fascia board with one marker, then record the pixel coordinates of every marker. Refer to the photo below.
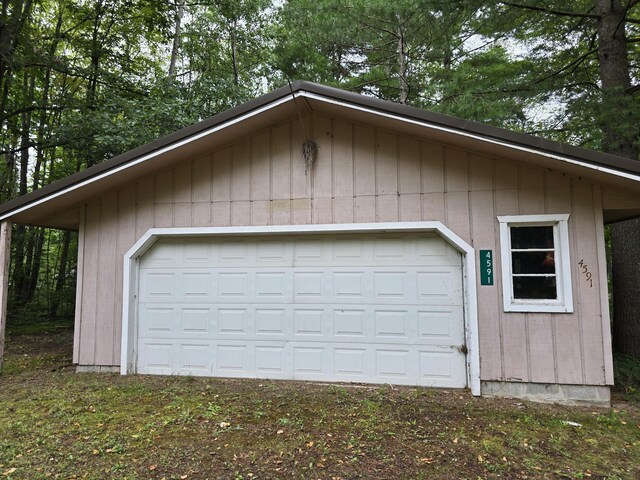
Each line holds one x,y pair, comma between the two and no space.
474,136
147,157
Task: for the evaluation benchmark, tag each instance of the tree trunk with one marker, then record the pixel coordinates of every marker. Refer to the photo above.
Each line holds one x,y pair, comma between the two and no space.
625,241
402,63
234,53
625,236
44,120
175,49
20,277
36,262
62,276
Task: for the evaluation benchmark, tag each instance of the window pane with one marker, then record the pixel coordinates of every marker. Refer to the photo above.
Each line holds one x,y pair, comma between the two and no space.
531,237
542,288
533,262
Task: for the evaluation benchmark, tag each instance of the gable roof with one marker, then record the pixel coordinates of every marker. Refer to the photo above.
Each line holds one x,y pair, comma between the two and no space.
44,206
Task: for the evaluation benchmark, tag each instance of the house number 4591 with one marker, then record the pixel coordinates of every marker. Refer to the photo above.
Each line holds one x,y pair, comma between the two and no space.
585,270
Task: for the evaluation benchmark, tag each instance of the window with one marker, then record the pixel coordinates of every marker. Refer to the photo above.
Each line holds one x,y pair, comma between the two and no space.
535,263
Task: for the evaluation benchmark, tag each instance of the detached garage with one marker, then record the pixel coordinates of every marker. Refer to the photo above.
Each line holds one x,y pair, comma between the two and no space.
316,234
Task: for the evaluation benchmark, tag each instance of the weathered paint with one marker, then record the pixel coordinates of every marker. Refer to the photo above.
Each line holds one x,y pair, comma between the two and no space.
363,174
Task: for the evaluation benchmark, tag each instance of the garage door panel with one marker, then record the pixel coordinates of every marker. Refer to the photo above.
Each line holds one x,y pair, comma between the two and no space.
440,325
232,321
332,323
157,320
439,286
270,360
159,284
436,365
195,358
195,321
163,254
271,322
157,357
310,361
377,309
350,363
349,323
309,322
233,359
393,325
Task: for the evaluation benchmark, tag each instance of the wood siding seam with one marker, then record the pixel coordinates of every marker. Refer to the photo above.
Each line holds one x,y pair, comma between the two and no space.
445,185
545,189
603,283
400,198
334,162
554,348
311,173
527,326
97,289
577,283
469,201
79,285
376,179
421,160
353,169
114,281
519,187
497,269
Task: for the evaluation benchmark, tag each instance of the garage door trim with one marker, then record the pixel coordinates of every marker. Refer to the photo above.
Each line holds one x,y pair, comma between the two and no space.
132,257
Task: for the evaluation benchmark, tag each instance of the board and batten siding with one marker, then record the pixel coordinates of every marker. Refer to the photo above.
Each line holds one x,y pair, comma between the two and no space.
363,174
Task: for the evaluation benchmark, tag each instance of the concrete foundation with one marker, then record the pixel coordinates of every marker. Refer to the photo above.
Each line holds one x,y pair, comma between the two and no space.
550,392
96,369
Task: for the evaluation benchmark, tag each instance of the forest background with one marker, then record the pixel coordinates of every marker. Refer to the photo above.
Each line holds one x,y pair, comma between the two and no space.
84,80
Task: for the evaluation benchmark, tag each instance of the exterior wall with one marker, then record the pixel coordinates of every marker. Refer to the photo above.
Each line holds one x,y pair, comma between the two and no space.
363,174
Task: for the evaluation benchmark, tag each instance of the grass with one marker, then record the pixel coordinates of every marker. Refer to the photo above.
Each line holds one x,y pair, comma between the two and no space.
55,423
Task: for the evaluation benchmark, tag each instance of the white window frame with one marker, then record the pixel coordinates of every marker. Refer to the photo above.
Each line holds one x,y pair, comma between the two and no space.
564,302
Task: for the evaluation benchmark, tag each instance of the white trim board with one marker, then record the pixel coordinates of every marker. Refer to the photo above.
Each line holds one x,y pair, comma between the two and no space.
131,266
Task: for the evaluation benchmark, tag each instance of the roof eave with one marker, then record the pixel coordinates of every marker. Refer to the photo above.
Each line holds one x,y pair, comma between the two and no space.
595,161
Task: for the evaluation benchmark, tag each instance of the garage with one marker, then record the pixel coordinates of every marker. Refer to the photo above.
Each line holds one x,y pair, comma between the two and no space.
359,307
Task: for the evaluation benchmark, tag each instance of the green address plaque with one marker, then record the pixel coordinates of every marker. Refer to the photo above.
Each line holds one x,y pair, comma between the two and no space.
486,267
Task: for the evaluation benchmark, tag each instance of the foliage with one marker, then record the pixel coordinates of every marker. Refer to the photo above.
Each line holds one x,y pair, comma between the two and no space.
627,375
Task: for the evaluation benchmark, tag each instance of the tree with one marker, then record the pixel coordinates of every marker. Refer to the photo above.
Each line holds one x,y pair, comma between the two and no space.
430,54
582,57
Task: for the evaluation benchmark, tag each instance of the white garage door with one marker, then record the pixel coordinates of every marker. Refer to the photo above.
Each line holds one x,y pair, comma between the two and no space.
374,308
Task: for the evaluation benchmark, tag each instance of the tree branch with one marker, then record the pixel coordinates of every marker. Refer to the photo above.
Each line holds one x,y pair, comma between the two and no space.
552,11
576,62
631,4
31,108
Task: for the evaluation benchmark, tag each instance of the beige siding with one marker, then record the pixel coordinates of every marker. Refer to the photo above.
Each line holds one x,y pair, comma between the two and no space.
363,174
